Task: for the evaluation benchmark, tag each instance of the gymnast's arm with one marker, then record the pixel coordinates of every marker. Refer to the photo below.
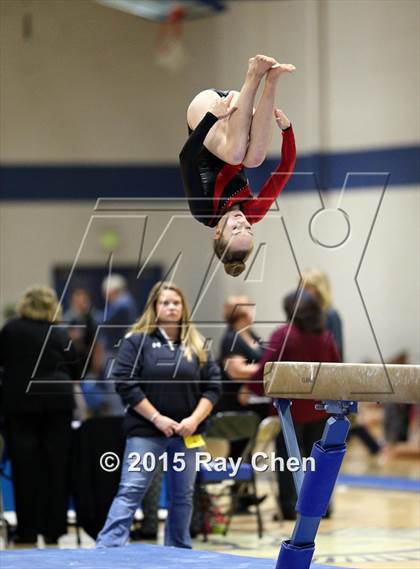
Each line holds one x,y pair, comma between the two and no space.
220,109
256,209
195,141
187,157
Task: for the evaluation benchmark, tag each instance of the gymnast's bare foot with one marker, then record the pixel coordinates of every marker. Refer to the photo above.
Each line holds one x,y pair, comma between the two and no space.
278,69
259,65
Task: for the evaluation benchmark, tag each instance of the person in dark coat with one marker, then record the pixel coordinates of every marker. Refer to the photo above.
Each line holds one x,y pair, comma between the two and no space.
38,414
120,313
240,351
303,339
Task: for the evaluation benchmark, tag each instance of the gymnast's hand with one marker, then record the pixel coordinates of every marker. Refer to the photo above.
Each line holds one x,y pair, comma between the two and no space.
221,107
186,427
281,119
165,424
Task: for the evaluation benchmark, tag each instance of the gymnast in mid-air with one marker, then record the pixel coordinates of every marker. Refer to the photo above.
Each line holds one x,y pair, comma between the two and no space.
226,135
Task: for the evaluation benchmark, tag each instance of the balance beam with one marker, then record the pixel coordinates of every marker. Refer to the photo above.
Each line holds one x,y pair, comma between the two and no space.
343,382
340,387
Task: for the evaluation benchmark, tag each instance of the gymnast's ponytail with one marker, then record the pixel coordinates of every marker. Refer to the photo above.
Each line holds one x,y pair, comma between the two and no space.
235,269
233,261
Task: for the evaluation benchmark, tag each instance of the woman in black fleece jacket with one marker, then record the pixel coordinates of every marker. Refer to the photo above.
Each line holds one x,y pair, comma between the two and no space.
170,384
39,365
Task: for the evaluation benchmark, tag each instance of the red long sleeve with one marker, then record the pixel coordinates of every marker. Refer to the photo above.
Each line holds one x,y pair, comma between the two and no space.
289,344
256,209
271,354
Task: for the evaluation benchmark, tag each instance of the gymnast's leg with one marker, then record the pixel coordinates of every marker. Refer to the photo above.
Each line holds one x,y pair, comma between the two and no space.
228,139
262,122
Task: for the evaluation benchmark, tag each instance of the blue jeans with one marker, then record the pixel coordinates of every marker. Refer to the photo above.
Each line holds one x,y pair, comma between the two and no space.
133,486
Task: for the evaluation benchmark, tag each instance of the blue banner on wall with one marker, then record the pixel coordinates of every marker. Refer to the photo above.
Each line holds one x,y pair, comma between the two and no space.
327,171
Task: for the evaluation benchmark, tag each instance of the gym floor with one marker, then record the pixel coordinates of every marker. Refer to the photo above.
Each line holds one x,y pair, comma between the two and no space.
371,528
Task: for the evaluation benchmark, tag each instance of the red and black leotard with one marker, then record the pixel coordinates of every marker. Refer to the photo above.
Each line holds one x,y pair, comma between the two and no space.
212,187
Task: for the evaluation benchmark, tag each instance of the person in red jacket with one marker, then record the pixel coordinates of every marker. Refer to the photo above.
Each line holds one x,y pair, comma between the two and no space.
303,339
226,135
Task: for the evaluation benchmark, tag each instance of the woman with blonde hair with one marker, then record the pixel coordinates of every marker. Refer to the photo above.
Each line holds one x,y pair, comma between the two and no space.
317,283
169,383
38,416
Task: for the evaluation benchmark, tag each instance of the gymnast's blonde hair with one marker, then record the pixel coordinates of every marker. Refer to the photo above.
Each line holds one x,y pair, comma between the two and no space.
319,282
233,261
191,339
40,302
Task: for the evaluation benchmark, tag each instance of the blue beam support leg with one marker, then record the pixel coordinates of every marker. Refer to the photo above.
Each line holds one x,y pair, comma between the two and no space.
289,433
314,488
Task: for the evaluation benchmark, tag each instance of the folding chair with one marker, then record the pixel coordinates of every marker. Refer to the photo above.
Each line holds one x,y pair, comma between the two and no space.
232,427
268,430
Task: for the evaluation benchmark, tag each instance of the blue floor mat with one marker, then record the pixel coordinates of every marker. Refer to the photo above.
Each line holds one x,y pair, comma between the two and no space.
132,557
380,482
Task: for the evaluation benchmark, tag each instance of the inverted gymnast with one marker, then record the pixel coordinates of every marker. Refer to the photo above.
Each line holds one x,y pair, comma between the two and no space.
226,135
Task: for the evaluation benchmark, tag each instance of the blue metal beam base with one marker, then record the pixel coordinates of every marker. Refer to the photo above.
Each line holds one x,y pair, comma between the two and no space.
314,489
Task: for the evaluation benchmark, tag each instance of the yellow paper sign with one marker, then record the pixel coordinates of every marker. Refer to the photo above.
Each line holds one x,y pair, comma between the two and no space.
194,441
